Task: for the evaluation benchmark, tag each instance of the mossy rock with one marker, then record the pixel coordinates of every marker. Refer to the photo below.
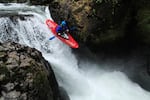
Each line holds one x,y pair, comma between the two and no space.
41,83
33,80
143,24
2,54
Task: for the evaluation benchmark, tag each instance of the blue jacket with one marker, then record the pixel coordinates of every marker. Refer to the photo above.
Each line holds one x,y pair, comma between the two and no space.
61,29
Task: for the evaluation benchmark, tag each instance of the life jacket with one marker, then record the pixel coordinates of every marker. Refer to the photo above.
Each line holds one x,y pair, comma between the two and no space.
61,28
58,29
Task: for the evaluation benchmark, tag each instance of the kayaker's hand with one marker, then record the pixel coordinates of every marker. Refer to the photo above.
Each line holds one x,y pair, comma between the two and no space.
67,30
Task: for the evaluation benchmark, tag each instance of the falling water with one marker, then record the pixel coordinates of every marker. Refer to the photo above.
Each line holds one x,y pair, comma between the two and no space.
88,83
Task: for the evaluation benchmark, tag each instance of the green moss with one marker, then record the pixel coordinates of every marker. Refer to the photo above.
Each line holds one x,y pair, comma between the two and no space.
41,85
144,19
2,54
144,24
3,69
109,36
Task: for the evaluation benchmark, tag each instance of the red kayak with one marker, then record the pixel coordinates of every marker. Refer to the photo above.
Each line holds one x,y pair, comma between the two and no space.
66,37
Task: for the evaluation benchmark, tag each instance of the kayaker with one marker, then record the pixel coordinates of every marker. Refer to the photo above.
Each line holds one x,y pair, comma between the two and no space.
62,28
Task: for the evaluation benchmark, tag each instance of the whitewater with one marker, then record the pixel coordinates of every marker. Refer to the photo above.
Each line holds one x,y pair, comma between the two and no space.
82,81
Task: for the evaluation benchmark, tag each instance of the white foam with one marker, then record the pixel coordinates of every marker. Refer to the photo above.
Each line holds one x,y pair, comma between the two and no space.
90,83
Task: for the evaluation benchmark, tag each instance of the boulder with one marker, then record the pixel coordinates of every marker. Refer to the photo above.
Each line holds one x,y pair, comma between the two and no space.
25,74
105,24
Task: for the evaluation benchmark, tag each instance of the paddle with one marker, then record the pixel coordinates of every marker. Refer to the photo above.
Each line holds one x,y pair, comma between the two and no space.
51,38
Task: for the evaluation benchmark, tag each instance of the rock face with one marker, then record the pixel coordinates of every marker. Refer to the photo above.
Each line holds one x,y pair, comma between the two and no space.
106,23
25,75
34,2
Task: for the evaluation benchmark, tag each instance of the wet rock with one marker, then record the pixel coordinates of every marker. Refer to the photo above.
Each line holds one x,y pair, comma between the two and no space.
13,95
105,25
63,94
143,17
9,86
23,96
13,55
94,24
2,76
11,63
2,54
25,62
25,74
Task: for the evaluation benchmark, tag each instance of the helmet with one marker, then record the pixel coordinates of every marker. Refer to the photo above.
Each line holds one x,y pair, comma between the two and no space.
63,23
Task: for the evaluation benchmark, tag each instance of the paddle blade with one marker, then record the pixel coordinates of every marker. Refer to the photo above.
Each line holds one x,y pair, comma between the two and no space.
51,38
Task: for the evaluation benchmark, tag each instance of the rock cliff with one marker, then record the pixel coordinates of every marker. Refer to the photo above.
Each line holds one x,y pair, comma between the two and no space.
25,74
105,24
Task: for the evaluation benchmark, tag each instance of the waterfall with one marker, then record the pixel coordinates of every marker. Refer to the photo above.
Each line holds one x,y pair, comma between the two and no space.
87,83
